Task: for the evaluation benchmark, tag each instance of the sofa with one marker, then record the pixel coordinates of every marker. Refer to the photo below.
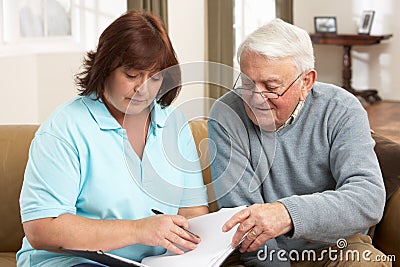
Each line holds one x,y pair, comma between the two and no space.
14,146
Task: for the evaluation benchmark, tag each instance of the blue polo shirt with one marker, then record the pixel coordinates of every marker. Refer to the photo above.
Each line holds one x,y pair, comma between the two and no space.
81,162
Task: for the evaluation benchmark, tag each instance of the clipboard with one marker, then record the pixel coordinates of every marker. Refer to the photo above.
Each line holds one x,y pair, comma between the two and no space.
104,258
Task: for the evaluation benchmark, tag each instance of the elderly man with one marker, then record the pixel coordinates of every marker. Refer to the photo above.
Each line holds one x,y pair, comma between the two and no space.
299,154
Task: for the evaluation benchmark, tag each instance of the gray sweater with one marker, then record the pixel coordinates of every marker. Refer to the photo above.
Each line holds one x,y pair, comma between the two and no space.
322,167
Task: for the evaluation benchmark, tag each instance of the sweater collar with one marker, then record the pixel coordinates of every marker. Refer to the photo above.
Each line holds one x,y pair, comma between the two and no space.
293,116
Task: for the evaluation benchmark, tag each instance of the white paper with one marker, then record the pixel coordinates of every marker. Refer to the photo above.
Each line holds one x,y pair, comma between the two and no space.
214,247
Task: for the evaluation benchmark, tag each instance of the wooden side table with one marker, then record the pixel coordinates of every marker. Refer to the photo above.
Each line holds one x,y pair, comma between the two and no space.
347,41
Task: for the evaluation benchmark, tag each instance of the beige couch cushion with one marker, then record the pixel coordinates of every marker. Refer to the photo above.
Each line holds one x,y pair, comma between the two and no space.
200,135
14,146
7,259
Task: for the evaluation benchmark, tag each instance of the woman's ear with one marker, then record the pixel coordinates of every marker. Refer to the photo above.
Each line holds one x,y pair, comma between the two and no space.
308,83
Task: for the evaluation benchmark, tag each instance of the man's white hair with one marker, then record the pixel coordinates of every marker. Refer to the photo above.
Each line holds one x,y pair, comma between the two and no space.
279,39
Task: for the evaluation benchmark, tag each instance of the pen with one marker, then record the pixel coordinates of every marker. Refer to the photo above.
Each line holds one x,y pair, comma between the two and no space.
157,212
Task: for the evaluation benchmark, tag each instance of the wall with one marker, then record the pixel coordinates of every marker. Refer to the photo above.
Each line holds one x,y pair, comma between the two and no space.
187,30
374,66
18,89
34,82
55,85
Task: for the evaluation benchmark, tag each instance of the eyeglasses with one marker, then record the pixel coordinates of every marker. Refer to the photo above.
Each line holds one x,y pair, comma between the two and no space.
266,94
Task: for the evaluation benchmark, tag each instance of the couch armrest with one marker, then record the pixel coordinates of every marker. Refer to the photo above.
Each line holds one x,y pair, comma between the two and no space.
387,232
388,153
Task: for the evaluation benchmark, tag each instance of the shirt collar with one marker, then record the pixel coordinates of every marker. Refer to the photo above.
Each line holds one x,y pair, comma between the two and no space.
158,116
100,113
106,121
294,115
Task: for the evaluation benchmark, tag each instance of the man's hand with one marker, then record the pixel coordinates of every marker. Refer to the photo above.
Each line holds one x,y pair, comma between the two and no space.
260,222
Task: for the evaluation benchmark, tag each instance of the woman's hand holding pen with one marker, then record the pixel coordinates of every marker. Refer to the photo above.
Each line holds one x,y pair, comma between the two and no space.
166,231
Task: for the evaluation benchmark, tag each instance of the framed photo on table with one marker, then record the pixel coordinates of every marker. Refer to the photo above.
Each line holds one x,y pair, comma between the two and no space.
366,22
325,24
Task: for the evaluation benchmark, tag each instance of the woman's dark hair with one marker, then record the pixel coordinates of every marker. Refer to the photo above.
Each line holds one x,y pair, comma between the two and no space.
138,40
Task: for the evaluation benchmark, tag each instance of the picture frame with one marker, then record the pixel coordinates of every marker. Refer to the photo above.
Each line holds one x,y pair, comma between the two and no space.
365,25
325,25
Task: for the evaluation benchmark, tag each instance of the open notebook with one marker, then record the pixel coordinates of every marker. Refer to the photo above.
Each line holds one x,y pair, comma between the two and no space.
214,248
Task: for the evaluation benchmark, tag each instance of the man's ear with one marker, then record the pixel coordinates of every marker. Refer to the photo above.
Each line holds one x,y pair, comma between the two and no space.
308,83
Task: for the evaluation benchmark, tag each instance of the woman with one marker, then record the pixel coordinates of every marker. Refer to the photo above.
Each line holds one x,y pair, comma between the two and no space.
99,164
